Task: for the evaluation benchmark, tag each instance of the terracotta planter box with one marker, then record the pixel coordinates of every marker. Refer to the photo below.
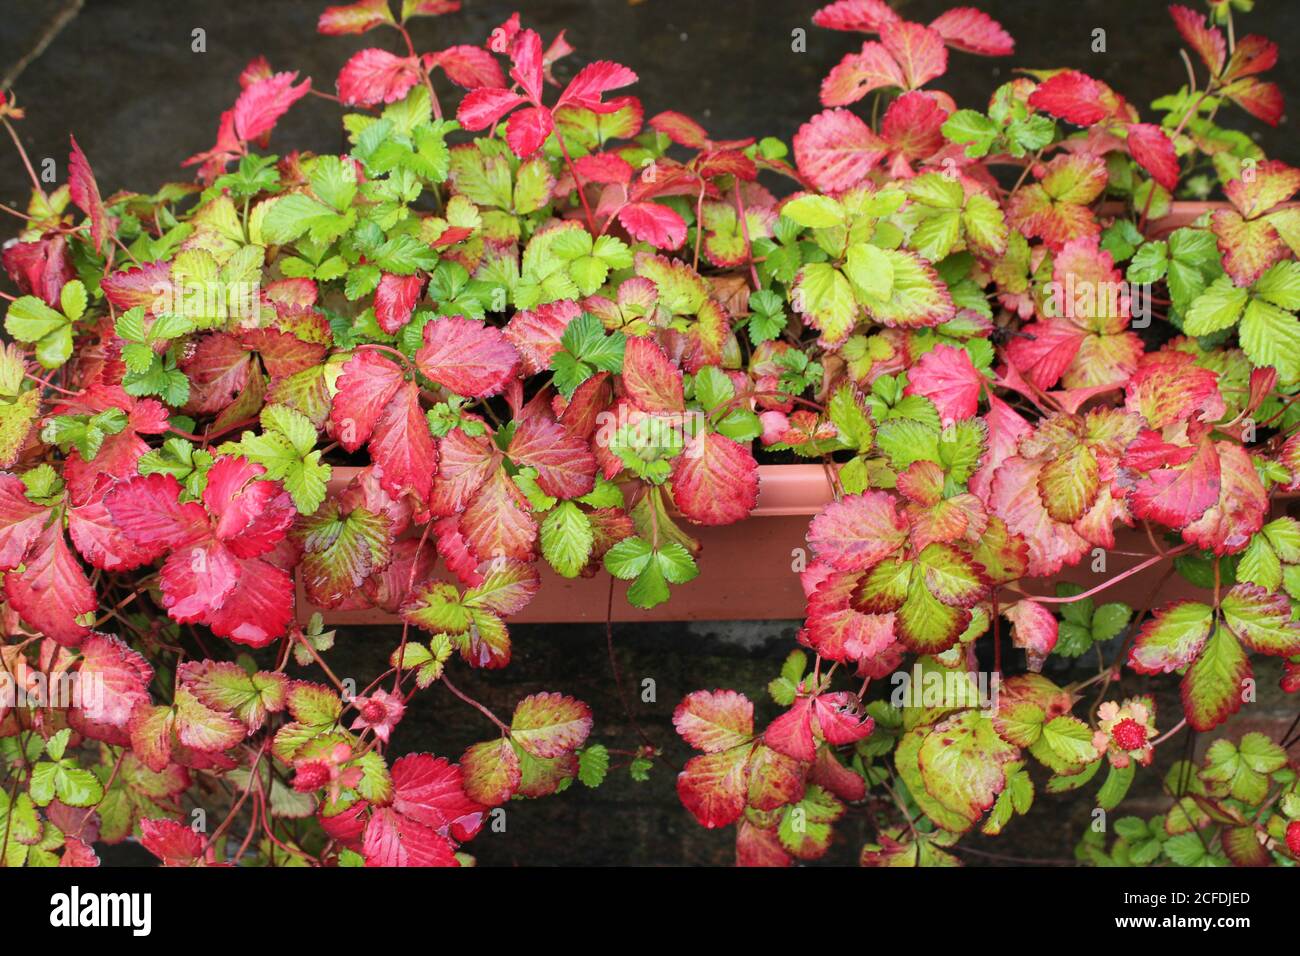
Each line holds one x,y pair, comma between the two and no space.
749,570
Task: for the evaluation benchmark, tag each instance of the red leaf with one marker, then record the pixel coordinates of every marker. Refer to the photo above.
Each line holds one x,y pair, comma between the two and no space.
428,8
52,590
147,510
1227,525
196,580
654,223
1044,351
395,300
1262,100
946,376
213,574
498,521
649,379
565,465
1152,150
455,550
41,268
85,193
836,630
1005,429
142,285
1177,495
259,608
756,846
840,718
395,840
468,357
122,674
913,125
169,841
866,16
1033,628
792,732
99,540
376,76
218,367
973,31
484,107
536,333
403,448
713,721
857,531
262,104
528,67
1168,387
1207,41
592,82
465,463
603,168
251,516
871,68
715,480
919,51
21,521
470,67
527,129
428,790
680,128
835,150
1071,95
713,787
367,384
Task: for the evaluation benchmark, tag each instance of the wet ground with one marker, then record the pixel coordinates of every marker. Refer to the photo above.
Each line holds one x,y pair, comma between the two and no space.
123,75
124,78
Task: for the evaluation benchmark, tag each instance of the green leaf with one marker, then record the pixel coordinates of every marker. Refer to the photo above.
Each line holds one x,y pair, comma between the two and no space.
973,129
1150,262
29,319
334,181
593,765
650,570
1215,309
1186,849
586,349
1118,781
72,300
288,217
871,270
784,688
628,558
1109,621
814,212
567,539
285,450
1271,336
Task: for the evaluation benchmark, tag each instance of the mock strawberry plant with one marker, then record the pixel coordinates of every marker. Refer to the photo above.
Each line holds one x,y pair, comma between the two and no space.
542,330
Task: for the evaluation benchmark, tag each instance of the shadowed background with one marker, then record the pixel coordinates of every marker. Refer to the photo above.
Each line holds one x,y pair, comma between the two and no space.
121,75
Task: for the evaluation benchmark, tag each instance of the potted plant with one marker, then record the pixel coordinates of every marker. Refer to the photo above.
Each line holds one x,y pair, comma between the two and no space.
495,359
